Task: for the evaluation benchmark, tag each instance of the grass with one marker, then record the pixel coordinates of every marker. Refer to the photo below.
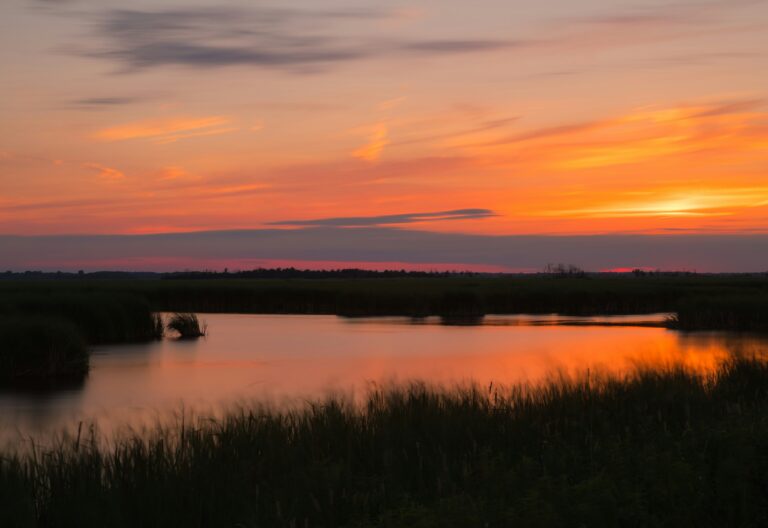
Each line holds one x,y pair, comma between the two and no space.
186,325
411,296
656,448
742,313
99,303
44,334
41,352
100,316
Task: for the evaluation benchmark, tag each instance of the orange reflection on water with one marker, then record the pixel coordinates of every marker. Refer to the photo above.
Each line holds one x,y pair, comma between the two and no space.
292,358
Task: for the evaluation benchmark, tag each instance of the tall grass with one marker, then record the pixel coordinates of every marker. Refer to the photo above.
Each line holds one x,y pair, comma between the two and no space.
409,296
40,352
186,325
665,448
742,313
100,316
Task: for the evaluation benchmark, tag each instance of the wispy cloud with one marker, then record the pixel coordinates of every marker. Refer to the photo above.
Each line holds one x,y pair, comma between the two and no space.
378,139
384,220
167,130
263,37
642,135
105,173
104,102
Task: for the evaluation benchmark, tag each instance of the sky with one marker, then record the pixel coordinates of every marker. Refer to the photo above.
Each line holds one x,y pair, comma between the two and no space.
486,121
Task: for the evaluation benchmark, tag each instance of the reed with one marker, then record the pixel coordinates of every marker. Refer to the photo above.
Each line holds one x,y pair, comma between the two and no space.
655,448
186,325
99,316
39,352
455,296
740,313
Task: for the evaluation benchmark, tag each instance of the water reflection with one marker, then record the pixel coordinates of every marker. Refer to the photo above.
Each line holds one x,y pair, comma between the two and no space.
658,320
276,357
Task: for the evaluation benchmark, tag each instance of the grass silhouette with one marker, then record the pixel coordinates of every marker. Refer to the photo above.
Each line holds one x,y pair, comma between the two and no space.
654,448
186,325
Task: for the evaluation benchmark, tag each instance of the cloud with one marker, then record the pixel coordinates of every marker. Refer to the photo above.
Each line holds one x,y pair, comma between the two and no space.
383,220
644,135
372,150
172,172
711,253
104,172
103,102
690,202
264,37
167,130
436,47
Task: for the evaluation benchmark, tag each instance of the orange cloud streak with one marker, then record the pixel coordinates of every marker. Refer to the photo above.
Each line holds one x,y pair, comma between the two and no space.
372,150
104,172
166,130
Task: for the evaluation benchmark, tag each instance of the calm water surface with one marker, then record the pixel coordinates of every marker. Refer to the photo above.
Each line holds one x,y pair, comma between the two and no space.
284,358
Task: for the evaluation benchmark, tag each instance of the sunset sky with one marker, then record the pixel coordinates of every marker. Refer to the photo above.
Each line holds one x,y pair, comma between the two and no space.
494,118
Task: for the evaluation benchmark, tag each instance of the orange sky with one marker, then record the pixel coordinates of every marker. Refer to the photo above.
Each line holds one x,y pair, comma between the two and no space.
565,118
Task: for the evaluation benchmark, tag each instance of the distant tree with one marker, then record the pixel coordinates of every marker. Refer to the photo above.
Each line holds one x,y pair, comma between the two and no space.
564,270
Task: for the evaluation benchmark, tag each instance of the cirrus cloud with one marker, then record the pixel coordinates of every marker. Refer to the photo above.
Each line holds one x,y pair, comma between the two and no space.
167,130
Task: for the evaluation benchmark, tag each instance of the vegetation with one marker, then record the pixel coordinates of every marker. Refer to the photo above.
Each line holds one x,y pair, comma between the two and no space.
101,316
44,333
41,352
186,325
103,302
743,313
665,448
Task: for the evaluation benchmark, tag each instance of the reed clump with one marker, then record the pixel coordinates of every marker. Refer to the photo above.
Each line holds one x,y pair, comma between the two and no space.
186,325
656,448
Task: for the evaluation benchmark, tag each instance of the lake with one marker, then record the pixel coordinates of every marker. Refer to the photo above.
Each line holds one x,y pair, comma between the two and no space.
288,358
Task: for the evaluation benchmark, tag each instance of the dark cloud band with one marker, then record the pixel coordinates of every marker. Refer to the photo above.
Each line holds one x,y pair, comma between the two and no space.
383,220
263,37
713,253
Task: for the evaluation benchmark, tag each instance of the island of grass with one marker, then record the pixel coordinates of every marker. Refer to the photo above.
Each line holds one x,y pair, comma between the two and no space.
186,326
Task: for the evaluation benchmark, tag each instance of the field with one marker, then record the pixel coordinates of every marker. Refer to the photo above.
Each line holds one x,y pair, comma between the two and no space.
657,448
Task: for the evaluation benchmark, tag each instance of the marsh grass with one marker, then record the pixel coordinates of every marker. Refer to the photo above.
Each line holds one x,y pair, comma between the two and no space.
654,448
100,316
450,297
41,352
740,313
186,325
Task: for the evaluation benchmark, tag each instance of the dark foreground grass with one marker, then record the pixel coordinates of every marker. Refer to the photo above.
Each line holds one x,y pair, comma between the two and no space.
654,449
41,352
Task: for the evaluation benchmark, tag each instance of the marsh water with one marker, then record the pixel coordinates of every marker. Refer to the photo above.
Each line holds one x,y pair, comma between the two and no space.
289,358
